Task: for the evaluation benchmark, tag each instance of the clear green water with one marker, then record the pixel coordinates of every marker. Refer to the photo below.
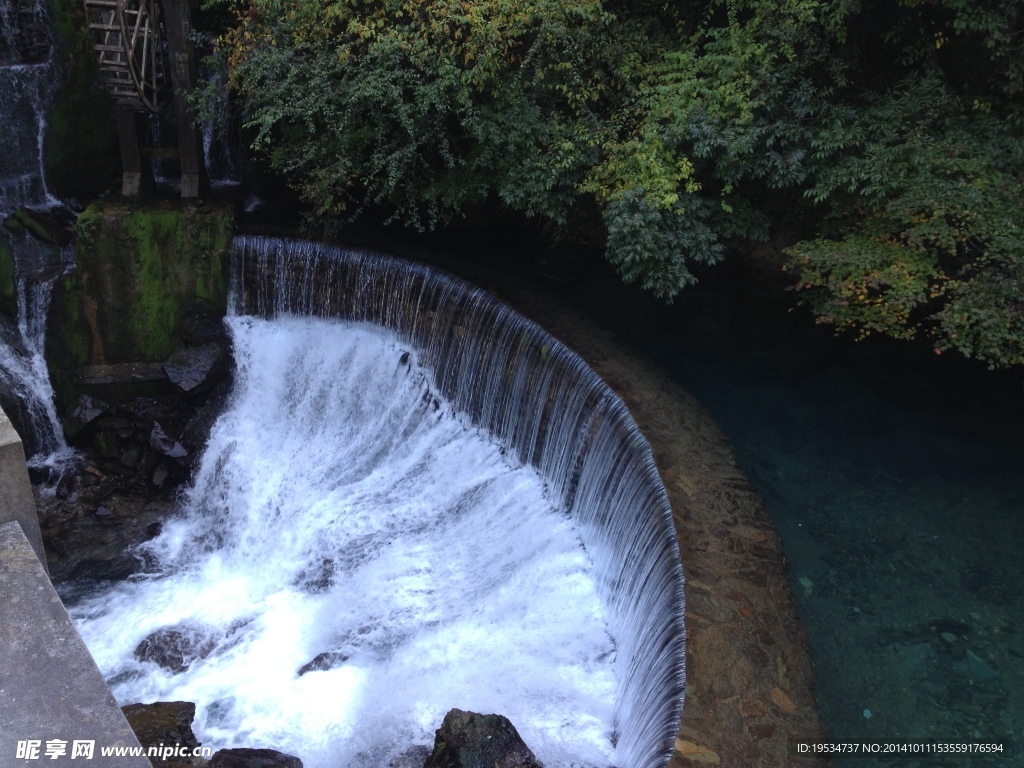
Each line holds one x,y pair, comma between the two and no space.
897,484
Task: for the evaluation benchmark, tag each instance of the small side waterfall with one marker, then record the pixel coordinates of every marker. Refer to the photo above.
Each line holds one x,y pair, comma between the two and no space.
220,153
25,377
28,80
545,405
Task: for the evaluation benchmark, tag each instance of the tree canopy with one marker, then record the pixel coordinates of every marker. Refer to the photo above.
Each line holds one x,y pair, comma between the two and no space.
886,134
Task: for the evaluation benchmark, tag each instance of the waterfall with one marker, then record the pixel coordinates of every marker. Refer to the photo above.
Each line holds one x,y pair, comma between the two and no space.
219,150
415,500
28,80
25,377
545,405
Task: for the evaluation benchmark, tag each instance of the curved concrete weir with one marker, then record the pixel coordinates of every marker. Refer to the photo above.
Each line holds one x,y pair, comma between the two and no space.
548,409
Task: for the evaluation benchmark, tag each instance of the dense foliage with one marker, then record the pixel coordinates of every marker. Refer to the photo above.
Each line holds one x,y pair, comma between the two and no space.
886,133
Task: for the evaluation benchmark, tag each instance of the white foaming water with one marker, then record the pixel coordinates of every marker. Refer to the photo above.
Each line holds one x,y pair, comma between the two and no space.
26,377
342,507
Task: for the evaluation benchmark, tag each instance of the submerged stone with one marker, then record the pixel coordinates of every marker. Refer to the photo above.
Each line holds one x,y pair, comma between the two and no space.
176,648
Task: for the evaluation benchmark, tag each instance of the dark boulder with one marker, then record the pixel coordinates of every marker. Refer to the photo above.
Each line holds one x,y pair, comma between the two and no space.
472,740
165,724
85,410
253,758
190,367
166,444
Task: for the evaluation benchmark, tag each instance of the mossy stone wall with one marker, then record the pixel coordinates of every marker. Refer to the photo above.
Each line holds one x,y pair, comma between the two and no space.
140,273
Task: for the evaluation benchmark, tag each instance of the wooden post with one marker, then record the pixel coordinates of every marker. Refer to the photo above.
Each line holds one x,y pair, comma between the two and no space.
176,22
131,159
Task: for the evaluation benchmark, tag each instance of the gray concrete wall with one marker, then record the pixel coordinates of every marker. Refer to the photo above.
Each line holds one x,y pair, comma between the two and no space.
16,500
52,694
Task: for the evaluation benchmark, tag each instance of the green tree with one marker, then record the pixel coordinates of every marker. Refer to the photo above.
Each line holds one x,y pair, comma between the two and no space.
921,187
889,130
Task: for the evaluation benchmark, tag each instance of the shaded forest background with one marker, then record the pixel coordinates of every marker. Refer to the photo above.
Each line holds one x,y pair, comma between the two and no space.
877,144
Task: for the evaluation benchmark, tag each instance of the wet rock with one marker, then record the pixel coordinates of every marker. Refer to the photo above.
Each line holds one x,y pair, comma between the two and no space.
160,474
131,456
85,411
695,753
107,445
753,707
119,383
176,648
196,433
414,757
782,700
166,444
193,366
472,740
322,662
163,723
318,578
253,758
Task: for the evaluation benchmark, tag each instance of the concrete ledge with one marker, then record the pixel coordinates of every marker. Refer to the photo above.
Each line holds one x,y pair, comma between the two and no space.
50,687
16,500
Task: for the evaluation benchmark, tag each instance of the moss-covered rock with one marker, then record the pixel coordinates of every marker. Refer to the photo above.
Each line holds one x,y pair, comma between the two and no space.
142,275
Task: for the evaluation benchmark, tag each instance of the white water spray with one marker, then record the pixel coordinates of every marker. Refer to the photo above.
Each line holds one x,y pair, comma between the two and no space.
344,508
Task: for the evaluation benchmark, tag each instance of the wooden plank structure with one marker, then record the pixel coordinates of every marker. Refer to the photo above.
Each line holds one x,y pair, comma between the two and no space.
147,63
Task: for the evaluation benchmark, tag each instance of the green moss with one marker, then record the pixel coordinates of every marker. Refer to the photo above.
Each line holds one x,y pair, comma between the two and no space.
154,236
68,323
140,270
68,340
36,229
11,224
